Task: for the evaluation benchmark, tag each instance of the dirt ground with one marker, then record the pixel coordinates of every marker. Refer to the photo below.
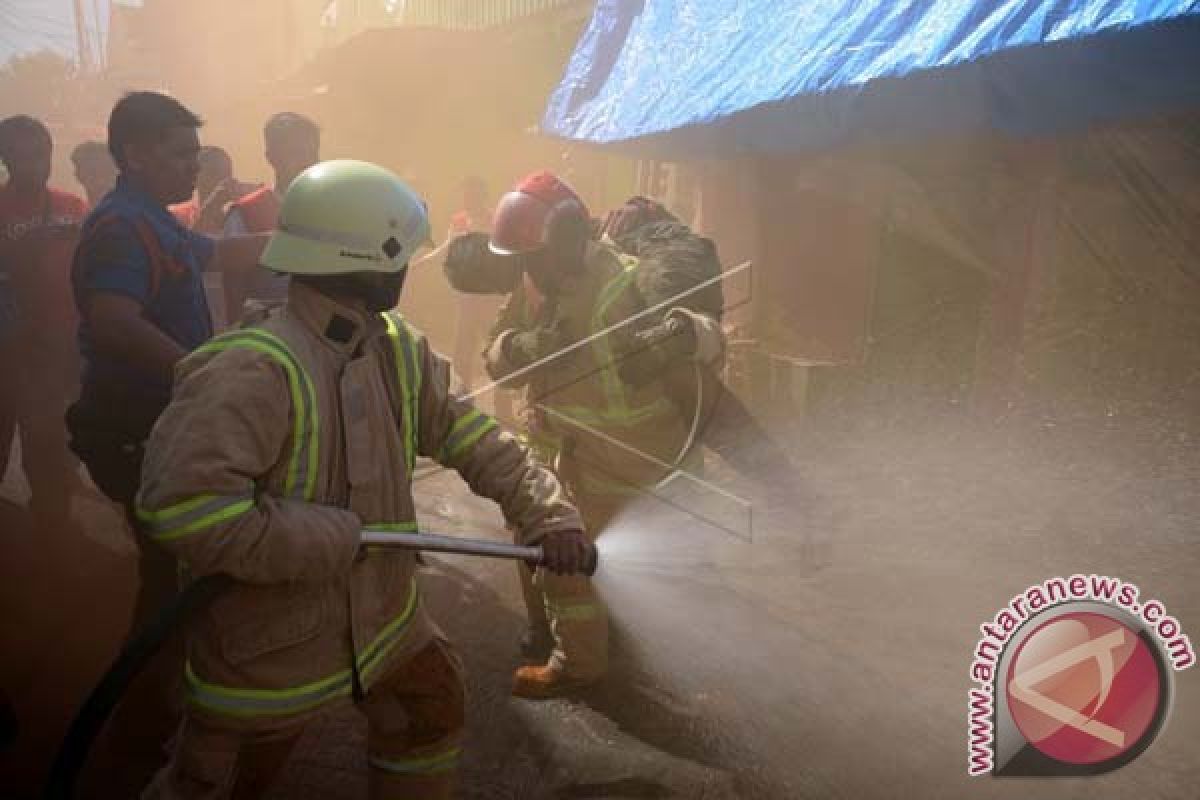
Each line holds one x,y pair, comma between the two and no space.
827,658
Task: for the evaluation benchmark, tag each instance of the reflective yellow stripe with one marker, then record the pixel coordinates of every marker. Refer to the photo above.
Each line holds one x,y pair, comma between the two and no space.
614,388
615,417
599,486
415,376
465,432
617,409
241,702
302,467
462,422
409,376
474,436
178,510
370,659
237,702
393,527
193,515
572,612
388,527
427,765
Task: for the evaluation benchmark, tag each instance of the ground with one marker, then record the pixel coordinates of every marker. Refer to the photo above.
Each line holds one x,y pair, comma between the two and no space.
827,657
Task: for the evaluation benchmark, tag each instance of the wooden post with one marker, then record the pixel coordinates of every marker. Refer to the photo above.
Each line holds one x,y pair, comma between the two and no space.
81,39
101,54
1022,248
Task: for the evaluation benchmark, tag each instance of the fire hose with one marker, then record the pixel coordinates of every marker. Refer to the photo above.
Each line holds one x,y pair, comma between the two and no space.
194,598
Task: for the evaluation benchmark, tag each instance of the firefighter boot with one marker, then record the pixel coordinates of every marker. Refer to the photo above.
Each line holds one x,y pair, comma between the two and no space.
536,643
541,682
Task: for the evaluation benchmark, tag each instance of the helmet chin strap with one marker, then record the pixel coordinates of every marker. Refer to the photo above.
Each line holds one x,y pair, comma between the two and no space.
556,262
376,291
384,295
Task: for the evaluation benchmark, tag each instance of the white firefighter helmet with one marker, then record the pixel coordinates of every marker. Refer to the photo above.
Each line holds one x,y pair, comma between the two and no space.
347,216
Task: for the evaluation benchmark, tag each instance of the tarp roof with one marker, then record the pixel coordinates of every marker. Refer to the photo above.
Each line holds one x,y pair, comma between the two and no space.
728,76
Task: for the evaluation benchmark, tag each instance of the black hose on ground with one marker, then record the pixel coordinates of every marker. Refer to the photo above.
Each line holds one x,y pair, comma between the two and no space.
133,658
8,722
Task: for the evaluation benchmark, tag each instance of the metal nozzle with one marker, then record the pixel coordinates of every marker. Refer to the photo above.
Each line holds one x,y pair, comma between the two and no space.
438,543
592,561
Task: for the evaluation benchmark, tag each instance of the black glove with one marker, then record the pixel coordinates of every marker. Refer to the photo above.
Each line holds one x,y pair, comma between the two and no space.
673,337
567,553
656,349
472,268
524,348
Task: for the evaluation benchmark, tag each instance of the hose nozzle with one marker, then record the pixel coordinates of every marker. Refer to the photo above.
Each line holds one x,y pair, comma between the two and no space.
533,555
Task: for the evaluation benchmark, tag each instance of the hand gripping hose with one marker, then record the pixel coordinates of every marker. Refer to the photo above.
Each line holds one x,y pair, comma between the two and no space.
198,595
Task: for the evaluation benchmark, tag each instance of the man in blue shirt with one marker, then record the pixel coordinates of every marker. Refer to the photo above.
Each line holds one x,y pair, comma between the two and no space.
138,287
137,280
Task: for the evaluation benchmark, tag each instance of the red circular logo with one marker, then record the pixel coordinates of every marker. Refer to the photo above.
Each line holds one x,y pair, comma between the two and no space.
1084,688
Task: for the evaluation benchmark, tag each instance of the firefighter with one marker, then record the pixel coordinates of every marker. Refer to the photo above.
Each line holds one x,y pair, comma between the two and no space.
596,427
283,440
688,354
293,144
137,281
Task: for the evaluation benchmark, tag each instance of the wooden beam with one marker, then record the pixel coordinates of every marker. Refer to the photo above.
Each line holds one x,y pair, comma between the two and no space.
81,39
1021,250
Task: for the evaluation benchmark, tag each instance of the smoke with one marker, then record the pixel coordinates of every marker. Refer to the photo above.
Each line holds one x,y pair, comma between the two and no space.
828,656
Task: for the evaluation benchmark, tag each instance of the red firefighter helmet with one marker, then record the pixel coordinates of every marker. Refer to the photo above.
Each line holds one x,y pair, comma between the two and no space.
540,211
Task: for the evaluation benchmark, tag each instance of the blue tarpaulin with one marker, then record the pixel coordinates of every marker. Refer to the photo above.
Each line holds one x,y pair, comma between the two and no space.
728,76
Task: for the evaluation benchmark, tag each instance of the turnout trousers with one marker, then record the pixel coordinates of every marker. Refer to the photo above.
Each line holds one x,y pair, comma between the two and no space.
568,606
415,716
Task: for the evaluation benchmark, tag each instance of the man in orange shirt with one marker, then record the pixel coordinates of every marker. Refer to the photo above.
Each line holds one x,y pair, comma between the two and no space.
216,188
293,144
38,230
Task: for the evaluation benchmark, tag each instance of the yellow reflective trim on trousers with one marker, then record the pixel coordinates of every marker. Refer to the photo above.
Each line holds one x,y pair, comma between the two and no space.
192,516
572,612
302,467
236,702
428,765
403,351
240,702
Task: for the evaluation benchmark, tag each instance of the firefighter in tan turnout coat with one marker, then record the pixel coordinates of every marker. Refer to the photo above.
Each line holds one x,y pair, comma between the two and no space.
283,440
